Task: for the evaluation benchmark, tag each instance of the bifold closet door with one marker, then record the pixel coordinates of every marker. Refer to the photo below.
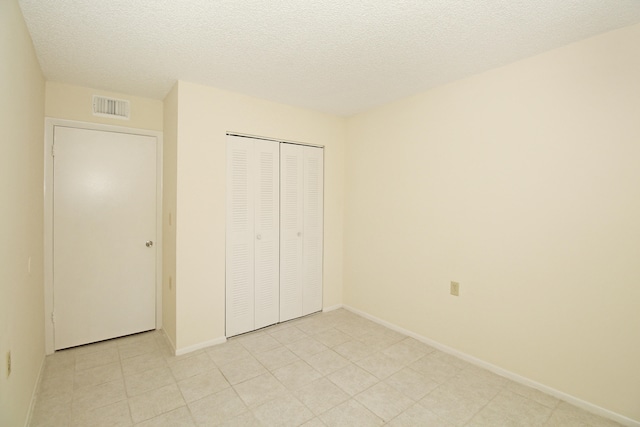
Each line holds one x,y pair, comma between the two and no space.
252,245
301,230
313,221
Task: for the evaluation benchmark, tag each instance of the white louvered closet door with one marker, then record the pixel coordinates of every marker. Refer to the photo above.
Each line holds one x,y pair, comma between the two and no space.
301,230
240,232
291,229
252,251
267,226
312,230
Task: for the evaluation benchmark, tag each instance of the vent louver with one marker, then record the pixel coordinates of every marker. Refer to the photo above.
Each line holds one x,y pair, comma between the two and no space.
110,107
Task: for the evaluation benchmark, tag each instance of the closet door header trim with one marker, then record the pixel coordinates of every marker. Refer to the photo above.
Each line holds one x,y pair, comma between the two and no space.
244,135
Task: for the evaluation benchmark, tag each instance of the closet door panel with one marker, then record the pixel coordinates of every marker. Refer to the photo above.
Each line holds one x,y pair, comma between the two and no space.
240,237
267,235
312,230
291,213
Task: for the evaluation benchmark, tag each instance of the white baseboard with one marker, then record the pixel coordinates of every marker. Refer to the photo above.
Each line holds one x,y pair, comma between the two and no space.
34,393
189,349
169,341
333,307
200,345
220,340
503,372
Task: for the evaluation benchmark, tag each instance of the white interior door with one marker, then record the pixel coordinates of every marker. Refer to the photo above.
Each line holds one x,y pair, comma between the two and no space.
312,230
291,229
104,220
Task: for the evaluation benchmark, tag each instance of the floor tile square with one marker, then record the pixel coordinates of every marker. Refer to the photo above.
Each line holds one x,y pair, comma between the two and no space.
242,370
354,350
411,383
403,353
488,417
567,411
306,347
352,379
55,386
54,416
217,408
148,380
381,340
314,422
288,335
520,408
199,386
96,358
259,343
384,401
98,347
53,400
229,352
138,346
327,361
112,415
260,389
180,417
418,345
143,362
380,365
191,366
98,375
87,398
315,324
350,413
450,359
418,415
332,337
321,395
436,369
246,419
283,411
277,357
557,419
533,394
456,405
155,402
296,374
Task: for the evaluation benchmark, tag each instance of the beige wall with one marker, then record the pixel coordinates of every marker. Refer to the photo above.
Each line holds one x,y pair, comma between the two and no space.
205,115
21,215
170,159
523,184
65,101
520,183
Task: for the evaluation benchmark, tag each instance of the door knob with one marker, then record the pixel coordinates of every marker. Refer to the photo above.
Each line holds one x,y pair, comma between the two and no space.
149,243
259,237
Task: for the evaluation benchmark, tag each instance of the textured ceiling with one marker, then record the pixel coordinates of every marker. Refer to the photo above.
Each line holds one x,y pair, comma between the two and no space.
337,56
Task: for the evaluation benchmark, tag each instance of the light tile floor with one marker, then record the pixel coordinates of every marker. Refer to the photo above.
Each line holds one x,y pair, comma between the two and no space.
328,369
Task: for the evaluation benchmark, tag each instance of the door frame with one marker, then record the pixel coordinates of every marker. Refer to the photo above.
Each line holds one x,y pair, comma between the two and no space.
50,124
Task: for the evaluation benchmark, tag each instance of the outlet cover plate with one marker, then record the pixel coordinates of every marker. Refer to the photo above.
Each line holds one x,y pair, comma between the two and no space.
455,288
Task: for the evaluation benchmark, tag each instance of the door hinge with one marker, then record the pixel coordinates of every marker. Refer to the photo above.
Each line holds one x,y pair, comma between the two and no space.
53,317
53,150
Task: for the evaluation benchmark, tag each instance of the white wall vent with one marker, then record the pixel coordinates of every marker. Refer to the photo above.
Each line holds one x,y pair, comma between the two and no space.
110,107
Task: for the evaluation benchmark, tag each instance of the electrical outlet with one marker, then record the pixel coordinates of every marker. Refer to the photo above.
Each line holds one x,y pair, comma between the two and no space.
8,363
455,288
